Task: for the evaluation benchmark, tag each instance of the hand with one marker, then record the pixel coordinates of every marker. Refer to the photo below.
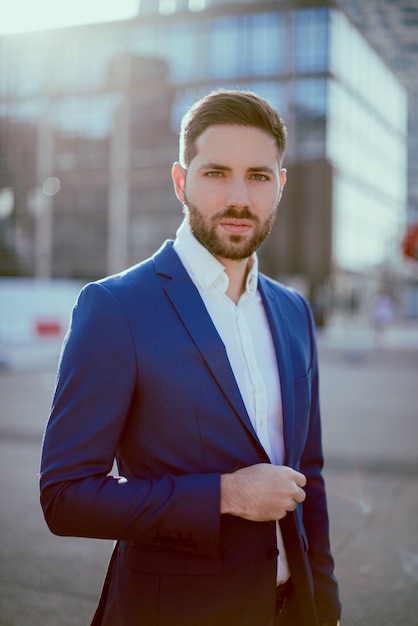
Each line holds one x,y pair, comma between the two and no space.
262,492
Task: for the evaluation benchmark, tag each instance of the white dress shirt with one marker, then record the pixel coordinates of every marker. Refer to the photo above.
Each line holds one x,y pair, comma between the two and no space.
245,332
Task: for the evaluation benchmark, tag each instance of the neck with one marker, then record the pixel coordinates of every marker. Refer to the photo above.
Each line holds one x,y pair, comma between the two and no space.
237,272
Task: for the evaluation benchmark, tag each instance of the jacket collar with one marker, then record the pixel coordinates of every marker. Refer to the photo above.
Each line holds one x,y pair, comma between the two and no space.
278,323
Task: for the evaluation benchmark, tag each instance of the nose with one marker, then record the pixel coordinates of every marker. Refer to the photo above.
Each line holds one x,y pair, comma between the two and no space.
238,195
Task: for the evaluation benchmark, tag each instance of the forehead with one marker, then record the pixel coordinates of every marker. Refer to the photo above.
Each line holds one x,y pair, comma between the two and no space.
229,144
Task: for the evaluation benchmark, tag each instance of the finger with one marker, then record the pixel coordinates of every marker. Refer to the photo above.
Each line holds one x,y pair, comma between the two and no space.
300,496
297,499
292,504
300,479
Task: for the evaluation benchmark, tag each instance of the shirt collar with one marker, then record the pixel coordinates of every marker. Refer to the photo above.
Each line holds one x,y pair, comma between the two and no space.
202,266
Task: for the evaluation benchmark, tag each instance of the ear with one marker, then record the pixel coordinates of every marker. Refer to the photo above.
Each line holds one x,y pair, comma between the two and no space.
178,174
283,177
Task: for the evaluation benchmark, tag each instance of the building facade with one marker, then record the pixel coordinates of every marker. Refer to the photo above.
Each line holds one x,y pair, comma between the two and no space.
392,27
89,120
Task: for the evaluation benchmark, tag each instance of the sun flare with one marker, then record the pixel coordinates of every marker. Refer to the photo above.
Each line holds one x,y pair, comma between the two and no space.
26,15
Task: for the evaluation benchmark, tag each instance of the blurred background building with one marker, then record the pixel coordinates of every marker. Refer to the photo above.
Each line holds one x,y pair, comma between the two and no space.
89,120
392,28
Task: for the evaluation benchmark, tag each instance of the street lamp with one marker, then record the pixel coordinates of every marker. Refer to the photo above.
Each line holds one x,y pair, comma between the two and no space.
40,203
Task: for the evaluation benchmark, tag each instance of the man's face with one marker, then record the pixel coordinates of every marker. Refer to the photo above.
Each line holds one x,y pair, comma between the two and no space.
231,189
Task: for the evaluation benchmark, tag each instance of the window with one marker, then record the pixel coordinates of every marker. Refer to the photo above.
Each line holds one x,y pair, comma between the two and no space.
310,104
247,46
227,48
266,52
182,51
311,40
89,117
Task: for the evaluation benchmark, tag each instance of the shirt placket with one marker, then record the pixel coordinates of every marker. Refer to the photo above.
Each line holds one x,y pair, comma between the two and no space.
256,387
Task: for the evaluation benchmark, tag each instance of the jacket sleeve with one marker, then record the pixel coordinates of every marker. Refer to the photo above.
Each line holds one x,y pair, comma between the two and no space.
96,379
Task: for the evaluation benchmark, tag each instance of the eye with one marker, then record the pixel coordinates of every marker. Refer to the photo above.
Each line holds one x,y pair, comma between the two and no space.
259,177
214,174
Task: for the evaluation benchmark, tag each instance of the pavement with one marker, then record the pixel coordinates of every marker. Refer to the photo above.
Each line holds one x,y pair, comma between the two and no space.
369,390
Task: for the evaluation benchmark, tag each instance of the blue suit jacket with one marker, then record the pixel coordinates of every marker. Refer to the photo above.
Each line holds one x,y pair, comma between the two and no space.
144,377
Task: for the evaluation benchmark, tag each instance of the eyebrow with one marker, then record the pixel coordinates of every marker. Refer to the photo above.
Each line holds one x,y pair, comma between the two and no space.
261,168
226,168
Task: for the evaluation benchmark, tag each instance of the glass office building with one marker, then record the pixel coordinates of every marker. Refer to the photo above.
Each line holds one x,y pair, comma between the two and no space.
93,113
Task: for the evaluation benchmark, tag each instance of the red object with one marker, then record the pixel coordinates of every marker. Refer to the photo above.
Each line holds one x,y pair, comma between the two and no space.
410,242
48,328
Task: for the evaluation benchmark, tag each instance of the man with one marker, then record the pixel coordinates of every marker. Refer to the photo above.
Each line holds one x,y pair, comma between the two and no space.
199,376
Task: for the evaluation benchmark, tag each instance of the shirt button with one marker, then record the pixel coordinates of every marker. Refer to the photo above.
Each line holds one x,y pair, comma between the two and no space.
272,553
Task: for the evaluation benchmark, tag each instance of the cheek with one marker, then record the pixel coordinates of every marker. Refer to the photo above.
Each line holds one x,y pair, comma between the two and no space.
205,195
265,202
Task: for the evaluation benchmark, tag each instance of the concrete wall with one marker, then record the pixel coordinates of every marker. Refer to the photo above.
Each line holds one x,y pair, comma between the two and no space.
34,317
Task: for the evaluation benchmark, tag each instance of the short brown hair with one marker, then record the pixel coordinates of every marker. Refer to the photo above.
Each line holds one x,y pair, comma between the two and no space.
242,108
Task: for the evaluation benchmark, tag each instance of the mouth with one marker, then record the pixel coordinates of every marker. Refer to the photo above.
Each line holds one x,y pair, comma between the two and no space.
236,226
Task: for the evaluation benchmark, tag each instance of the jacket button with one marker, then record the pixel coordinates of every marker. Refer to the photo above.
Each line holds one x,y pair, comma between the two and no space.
272,553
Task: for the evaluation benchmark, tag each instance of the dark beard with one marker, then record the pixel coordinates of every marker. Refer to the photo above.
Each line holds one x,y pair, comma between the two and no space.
236,247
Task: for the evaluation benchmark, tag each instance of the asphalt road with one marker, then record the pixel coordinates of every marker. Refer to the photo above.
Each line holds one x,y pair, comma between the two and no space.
370,433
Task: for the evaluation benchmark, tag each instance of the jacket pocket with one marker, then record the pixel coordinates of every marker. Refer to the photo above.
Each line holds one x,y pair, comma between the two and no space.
170,562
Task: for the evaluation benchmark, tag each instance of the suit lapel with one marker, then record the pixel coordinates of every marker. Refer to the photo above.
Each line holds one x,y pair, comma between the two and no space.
279,332
185,298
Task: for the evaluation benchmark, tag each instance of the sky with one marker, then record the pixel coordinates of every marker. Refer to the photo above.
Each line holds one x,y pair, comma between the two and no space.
21,16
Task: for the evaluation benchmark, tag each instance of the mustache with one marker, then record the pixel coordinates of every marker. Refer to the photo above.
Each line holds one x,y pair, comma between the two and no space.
234,213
